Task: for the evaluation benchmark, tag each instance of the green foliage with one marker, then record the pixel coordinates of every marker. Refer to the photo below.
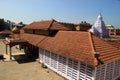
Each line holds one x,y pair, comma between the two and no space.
4,25
21,23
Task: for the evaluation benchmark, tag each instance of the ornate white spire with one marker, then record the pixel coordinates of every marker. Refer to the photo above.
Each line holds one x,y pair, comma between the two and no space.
99,28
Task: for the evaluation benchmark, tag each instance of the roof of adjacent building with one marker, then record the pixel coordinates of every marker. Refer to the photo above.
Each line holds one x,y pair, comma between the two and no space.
110,27
48,25
80,46
6,31
32,38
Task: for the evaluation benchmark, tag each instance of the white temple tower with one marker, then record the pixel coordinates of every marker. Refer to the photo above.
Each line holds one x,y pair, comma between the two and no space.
99,28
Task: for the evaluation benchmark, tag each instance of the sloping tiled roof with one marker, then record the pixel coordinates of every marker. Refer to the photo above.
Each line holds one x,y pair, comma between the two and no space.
107,51
60,26
39,25
76,45
114,40
32,39
115,44
5,32
46,25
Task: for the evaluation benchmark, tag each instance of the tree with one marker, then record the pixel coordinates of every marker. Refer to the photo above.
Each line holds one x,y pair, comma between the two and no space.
3,25
21,23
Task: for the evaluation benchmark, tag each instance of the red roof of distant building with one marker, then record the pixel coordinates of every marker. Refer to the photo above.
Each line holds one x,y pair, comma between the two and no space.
47,24
5,32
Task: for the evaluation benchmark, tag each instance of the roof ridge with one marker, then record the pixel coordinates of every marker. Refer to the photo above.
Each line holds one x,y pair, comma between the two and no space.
51,24
91,41
93,48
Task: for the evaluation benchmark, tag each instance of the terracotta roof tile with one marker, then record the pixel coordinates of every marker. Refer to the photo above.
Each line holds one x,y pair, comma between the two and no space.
5,32
47,24
115,44
76,45
32,39
107,51
39,25
59,26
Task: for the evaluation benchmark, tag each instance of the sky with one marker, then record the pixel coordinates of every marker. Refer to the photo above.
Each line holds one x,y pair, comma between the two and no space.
70,11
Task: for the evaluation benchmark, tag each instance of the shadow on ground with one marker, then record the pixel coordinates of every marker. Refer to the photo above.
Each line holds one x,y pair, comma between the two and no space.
2,57
23,59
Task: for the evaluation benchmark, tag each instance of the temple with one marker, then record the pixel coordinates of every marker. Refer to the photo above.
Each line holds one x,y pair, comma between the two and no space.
99,28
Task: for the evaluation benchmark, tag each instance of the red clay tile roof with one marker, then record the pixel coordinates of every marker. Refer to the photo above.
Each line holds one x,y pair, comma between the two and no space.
5,32
115,44
32,39
107,51
59,26
46,25
76,45
39,25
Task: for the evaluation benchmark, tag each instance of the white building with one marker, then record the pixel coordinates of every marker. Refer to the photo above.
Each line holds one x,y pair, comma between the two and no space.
111,29
77,55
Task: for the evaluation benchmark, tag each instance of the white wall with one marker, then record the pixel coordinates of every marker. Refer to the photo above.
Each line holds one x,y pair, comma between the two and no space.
109,71
68,68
